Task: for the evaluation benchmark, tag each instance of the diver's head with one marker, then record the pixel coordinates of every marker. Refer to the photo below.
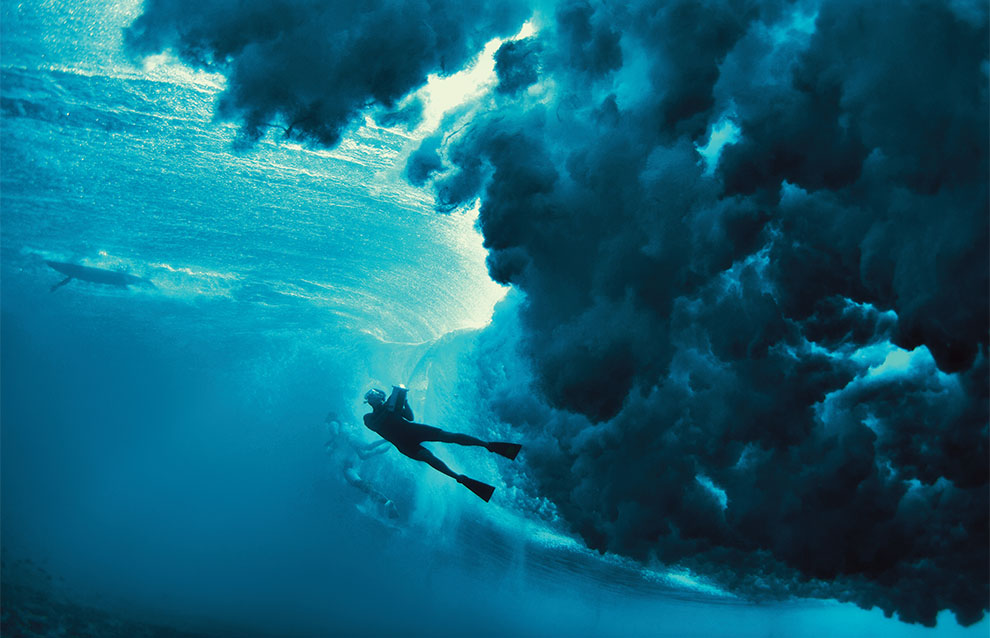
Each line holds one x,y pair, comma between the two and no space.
375,397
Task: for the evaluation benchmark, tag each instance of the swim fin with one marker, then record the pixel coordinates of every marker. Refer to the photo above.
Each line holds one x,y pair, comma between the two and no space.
508,450
483,490
60,284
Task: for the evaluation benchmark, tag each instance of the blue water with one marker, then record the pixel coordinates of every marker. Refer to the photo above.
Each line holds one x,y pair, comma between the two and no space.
163,449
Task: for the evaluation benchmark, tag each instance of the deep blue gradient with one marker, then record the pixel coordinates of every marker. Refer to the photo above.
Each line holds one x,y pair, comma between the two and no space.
163,450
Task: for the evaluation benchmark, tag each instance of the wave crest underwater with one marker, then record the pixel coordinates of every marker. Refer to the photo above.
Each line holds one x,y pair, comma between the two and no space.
165,450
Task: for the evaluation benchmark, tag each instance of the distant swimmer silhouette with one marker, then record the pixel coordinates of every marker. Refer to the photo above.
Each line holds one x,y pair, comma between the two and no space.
95,275
393,421
344,445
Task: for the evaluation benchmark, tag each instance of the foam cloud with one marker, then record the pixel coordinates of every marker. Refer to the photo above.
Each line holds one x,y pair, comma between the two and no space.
715,323
692,326
311,66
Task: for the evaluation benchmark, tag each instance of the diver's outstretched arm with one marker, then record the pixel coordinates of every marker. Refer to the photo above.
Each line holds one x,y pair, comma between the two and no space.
60,284
372,449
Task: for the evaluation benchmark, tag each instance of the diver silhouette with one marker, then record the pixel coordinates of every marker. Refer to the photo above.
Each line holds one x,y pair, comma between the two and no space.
344,446
95,275
393,421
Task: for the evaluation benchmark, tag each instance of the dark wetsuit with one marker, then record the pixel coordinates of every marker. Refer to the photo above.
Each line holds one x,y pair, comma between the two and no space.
397,427
406,436
400,431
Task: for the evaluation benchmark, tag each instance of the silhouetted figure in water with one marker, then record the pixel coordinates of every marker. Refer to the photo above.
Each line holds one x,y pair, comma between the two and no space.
393,421
345,446
95,275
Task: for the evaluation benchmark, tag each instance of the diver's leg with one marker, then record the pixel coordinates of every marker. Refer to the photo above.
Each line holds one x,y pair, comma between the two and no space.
430,433
483,490
424,455
460,439
352,477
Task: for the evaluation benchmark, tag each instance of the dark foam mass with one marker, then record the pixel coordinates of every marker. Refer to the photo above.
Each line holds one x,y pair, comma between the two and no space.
310,66
752,242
